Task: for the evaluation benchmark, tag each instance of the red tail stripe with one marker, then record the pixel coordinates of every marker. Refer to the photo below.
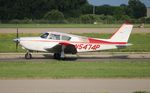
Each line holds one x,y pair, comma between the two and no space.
91,40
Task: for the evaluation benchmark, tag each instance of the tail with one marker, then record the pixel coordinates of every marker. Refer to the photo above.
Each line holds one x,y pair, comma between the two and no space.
122,34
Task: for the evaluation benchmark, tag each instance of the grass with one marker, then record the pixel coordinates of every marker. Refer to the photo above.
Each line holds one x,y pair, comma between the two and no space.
65,25
58,25
63,69
140,42
141,92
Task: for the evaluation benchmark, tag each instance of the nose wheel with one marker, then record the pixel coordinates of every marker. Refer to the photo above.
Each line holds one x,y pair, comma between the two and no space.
28,55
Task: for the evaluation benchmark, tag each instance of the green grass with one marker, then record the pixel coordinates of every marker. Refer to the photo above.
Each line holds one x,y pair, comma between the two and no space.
141,42
65,25
58,25
63,69
141,92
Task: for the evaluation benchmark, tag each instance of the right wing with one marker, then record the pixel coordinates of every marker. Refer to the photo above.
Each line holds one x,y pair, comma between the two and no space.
69,48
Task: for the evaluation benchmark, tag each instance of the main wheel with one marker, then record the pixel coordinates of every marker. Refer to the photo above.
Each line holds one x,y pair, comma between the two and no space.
57,56
28,56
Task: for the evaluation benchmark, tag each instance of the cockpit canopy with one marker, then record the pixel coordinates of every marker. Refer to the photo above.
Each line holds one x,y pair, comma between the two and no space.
55,36
45,35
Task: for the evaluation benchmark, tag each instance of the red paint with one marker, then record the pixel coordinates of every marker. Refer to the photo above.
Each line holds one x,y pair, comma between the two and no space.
91,40
87,46
64,43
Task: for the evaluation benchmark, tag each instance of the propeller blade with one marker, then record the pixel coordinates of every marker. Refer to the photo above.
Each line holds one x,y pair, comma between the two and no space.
17,35
17,45
17,42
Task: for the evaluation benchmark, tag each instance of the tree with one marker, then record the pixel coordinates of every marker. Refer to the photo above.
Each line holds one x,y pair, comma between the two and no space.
36,9
136,9
105,9
54,15
119,12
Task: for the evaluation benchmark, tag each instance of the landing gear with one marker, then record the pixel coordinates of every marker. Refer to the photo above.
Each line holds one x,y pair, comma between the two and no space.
28,55
60,55
57,56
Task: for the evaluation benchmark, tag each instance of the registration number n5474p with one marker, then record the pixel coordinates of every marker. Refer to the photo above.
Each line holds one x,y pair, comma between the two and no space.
87,46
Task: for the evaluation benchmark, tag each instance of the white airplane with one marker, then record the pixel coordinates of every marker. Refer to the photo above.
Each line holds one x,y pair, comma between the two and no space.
63,43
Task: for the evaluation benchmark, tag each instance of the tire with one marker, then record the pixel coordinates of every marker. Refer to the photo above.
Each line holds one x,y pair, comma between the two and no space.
57,56
28,56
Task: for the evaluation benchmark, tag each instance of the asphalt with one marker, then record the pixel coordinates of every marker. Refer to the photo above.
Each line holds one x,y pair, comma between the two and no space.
75,86
81,57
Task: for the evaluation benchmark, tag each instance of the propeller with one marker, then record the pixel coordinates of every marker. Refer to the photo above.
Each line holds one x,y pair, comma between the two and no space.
17,41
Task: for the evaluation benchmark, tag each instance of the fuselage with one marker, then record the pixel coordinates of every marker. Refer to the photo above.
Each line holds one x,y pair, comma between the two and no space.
82,44
63,43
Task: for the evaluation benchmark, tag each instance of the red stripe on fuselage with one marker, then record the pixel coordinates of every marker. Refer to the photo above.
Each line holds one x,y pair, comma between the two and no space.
91,40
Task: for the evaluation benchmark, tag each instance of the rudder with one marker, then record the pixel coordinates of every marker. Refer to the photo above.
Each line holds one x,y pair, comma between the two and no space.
122,34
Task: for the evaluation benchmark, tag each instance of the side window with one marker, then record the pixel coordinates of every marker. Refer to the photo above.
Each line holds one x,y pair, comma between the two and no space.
66,38
54,36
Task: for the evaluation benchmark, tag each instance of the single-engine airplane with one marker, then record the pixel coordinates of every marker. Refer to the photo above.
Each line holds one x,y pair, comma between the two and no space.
63,43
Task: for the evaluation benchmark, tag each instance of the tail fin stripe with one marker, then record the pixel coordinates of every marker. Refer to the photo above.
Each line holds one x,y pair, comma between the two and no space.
91,40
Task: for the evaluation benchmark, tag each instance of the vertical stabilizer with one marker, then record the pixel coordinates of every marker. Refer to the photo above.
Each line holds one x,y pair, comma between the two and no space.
122,34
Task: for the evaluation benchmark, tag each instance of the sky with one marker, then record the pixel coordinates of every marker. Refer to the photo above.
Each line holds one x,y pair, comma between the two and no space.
115,2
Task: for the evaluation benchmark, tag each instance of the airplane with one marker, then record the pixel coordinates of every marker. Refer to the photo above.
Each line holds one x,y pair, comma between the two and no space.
62,43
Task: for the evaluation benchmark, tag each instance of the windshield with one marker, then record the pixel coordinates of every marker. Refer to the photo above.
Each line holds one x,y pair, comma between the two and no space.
44,35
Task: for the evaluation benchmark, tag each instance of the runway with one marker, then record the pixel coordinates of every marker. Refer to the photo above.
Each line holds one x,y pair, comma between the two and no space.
75,86
81,57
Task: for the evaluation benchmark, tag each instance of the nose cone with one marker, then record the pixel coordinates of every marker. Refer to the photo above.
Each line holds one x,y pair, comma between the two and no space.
17,40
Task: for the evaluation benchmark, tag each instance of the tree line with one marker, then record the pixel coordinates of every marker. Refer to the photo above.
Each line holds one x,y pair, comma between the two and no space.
68,10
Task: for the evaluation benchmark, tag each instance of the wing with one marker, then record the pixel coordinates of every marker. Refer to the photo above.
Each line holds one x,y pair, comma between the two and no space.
69,48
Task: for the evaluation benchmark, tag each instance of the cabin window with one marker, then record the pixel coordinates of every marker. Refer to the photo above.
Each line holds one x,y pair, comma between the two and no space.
44,35
66,38
54,36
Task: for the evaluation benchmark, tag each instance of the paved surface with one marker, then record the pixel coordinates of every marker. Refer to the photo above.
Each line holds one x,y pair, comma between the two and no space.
70,30
81,57
75,86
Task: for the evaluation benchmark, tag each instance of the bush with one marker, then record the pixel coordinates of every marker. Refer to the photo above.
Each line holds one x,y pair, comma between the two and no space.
25,21
89,18
125,17
147,20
